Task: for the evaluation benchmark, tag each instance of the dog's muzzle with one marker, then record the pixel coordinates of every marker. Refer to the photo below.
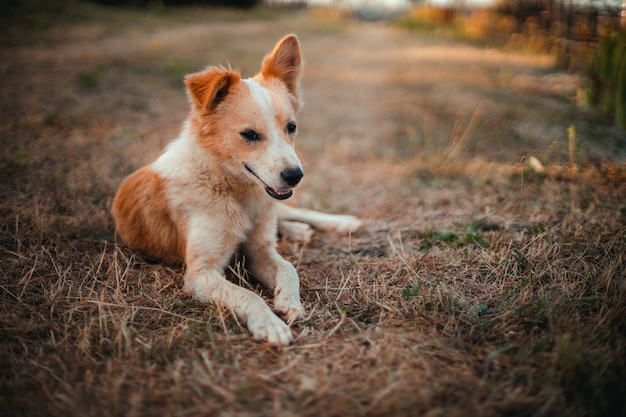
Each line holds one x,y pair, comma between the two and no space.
291,177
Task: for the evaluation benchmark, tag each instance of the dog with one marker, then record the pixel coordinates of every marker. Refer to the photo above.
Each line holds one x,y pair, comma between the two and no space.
217,189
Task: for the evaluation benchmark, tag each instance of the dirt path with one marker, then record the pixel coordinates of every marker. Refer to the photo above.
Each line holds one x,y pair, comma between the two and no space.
387,90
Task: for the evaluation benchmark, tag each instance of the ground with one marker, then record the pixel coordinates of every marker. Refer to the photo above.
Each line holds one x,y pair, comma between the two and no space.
478,285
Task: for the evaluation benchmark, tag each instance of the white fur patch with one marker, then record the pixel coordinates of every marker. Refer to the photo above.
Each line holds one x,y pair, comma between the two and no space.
264,100
279,153
178,154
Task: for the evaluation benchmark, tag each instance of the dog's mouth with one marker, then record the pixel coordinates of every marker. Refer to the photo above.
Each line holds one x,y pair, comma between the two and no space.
280,194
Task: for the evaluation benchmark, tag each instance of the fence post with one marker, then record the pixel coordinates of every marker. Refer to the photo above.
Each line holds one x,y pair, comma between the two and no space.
569,19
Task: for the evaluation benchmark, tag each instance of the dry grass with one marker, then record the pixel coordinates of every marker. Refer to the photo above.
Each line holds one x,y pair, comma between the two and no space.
468,293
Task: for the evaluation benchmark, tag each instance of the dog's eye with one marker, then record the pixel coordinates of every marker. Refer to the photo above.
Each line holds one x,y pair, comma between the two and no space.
250,135
291,128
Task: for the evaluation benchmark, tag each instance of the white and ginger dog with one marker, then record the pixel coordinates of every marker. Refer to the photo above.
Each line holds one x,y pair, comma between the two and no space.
214,191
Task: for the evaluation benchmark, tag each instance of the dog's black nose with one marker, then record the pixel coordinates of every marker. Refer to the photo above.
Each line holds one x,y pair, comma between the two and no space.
292,176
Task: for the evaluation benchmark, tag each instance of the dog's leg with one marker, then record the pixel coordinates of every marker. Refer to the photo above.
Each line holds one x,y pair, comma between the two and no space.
323,221
273,271
211,285
207,255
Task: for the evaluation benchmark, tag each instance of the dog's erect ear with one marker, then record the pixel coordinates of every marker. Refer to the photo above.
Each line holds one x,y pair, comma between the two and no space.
209,87
285,63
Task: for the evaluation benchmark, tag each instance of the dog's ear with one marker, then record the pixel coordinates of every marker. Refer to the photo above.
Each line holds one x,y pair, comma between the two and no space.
285,63
209,87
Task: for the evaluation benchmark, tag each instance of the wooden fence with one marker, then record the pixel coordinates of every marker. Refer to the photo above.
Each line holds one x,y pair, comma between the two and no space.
570,19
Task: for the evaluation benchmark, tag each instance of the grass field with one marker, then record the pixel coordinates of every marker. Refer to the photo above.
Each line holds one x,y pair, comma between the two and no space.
478,286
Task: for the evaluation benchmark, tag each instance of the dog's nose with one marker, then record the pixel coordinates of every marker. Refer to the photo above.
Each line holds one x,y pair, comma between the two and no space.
292,176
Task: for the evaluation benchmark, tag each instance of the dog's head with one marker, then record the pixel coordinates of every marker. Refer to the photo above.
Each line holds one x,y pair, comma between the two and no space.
251,124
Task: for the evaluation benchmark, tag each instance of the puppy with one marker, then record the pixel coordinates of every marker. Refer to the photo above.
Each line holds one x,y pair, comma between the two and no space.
216,189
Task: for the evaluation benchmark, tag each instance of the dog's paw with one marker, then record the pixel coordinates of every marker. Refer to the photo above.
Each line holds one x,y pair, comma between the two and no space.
288,307
267,327
347,224
339,223
290,314
295,231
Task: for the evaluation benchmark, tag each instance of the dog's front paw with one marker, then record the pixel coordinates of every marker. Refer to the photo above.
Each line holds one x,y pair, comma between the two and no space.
267,327
291,314
290,309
